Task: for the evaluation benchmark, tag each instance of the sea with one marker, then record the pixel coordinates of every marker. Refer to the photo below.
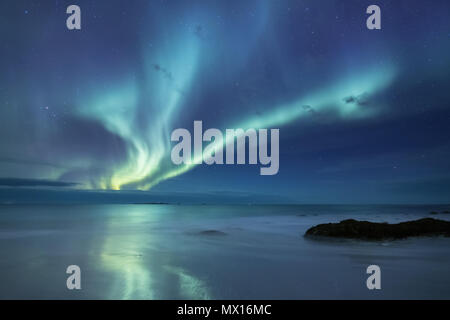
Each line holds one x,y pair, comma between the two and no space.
159,251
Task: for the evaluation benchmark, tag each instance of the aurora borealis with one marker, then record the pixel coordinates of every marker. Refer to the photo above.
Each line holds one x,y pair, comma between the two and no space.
363,114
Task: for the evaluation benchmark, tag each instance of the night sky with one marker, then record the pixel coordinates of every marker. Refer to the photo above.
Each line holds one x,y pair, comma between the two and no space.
364,115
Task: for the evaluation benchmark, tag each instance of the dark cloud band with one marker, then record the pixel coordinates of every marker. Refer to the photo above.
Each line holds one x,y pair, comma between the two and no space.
16,182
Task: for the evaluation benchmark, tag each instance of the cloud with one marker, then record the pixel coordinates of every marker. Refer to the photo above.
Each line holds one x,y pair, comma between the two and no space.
29,162
360,100
309,109
17,182
164,71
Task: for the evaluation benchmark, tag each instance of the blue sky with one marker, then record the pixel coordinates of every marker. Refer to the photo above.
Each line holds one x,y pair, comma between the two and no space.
363,114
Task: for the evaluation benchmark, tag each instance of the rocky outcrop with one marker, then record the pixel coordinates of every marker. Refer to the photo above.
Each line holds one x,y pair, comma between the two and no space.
353,229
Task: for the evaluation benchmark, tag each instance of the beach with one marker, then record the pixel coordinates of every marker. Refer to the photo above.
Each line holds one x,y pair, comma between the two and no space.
157,251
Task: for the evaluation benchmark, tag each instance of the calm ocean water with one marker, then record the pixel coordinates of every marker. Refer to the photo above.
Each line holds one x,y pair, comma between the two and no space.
162,252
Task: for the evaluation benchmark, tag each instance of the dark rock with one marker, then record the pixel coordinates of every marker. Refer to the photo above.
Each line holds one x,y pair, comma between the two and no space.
353,229
213,233
434,212
445,212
